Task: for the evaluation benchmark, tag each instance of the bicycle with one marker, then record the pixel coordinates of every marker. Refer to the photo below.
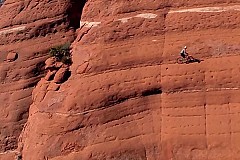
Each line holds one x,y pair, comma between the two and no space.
188,59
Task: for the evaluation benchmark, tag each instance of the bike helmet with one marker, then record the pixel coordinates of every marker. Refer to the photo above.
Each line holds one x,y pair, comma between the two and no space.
185,47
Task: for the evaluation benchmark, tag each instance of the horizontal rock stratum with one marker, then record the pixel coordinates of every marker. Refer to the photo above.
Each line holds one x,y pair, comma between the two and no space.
125,96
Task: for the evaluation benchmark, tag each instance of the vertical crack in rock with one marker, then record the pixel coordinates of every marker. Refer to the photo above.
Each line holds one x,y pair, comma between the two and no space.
74,12
167,9
205,109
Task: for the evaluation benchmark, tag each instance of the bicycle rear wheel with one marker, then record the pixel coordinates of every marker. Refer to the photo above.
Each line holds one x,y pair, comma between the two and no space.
180,60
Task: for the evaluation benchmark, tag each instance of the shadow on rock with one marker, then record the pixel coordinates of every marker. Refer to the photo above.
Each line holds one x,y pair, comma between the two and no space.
66,76
152,91
194,60
75,12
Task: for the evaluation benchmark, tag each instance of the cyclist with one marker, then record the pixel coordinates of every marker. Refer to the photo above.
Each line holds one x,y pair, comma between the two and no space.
184,53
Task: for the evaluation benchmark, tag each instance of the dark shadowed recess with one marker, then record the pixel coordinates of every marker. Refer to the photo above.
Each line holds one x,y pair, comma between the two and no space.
74,12
151,91
66,76
115,99
1,2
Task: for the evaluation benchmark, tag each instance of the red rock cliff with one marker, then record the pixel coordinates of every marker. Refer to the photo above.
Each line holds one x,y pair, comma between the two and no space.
126,97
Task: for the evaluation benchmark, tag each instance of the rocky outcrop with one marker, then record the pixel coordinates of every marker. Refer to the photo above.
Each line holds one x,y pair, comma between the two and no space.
127,98
28,28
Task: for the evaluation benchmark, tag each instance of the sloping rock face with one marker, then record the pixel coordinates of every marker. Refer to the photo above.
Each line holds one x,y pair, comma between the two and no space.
127,98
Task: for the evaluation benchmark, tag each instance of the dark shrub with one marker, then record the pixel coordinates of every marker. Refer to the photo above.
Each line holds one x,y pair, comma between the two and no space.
62,53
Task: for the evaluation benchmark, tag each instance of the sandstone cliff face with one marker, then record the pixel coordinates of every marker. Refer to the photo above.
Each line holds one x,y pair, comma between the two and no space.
126,97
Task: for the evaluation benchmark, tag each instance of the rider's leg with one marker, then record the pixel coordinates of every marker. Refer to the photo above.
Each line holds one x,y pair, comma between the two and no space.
183,55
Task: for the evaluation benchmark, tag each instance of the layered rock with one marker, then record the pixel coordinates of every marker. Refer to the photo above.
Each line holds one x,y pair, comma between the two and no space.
127,98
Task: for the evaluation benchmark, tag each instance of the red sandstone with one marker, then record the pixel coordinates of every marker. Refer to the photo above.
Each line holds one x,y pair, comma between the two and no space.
126,97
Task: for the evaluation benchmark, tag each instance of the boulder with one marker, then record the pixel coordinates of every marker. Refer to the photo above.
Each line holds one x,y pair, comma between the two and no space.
50,62
12,56
61,75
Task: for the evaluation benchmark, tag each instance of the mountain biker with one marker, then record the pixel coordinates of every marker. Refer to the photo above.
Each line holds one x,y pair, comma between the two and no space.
184,53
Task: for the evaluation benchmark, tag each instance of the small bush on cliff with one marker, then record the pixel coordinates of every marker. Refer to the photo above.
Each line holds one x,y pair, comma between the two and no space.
62,53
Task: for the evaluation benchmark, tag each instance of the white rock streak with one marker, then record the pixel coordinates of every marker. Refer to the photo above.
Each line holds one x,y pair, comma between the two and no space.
89,24
208,9
124,20
6,31
143,15
147,15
